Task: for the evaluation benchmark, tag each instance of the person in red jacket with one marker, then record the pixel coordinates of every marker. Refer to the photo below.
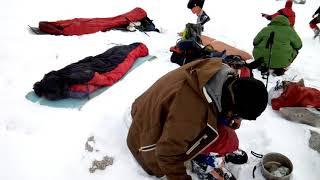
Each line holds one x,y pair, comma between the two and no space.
313,23
286,11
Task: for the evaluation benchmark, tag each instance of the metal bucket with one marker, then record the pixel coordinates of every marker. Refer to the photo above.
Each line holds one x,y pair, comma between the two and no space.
274,160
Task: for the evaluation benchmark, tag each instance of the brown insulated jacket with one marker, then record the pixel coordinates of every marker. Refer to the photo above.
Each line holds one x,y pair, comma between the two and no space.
173,121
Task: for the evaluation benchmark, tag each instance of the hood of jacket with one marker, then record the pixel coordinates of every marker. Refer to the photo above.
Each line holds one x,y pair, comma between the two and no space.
215,84
289,4
279,21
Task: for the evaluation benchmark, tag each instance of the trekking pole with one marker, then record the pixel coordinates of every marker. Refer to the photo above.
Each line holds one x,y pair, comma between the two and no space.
136,26
269,45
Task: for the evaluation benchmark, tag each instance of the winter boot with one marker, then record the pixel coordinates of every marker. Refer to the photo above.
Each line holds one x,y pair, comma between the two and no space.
278,71
203,18
316,32
264,71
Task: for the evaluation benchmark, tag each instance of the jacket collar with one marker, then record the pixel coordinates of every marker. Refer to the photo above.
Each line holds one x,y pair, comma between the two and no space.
214,86
199,72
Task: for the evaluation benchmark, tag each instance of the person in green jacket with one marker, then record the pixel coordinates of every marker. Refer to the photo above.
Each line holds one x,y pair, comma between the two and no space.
284,45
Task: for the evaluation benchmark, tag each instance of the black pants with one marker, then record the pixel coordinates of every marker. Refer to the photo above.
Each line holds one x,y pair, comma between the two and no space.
315,20
263,69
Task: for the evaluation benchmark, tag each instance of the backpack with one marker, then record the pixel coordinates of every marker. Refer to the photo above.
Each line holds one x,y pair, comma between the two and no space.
185,51
192,32
234,61
237,63
147,25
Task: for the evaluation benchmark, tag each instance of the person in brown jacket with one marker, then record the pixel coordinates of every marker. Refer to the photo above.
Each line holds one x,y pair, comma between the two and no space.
177,117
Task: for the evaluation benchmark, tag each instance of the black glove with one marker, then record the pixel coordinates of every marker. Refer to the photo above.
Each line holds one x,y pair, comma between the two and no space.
266,16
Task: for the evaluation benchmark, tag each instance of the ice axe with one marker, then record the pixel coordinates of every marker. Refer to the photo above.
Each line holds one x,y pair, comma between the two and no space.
269,45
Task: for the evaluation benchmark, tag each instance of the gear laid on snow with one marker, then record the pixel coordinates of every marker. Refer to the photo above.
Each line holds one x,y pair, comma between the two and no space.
297,95
237,157
82,78
80,26
211,167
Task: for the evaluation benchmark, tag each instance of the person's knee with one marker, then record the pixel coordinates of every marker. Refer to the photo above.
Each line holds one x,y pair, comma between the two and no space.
255,64
294,54
312,25
278,71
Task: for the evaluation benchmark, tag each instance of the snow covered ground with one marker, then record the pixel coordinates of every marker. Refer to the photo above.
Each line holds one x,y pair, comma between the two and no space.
39,142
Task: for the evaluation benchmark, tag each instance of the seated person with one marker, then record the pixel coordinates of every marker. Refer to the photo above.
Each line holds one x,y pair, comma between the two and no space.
283,47
178,117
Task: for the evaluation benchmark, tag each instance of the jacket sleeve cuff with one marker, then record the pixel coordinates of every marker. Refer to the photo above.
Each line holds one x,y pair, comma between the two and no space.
269,17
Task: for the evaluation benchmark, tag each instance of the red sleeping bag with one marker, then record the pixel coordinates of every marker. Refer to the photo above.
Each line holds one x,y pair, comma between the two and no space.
109,78
296,95
79,26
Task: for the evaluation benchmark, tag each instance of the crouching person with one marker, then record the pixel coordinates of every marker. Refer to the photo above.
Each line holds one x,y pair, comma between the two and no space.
283,47
181,115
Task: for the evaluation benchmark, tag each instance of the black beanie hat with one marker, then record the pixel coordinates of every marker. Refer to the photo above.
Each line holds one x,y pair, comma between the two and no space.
250,97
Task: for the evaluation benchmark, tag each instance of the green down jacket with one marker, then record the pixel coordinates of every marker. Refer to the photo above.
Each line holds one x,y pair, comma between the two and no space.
285,45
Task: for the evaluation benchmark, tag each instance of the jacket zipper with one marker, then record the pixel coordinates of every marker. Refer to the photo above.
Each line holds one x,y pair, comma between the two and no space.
196,144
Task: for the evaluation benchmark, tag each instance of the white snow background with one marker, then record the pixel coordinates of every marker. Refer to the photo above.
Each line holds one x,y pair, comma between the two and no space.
44,143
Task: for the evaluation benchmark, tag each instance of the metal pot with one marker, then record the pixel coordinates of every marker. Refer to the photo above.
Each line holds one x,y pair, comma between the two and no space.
275,160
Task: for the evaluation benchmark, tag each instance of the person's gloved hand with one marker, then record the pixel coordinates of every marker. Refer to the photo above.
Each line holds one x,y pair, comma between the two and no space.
263,15
266,16
235,123
237,157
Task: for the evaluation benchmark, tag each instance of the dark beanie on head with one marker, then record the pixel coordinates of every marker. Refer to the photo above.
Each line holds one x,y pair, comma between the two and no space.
250,97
